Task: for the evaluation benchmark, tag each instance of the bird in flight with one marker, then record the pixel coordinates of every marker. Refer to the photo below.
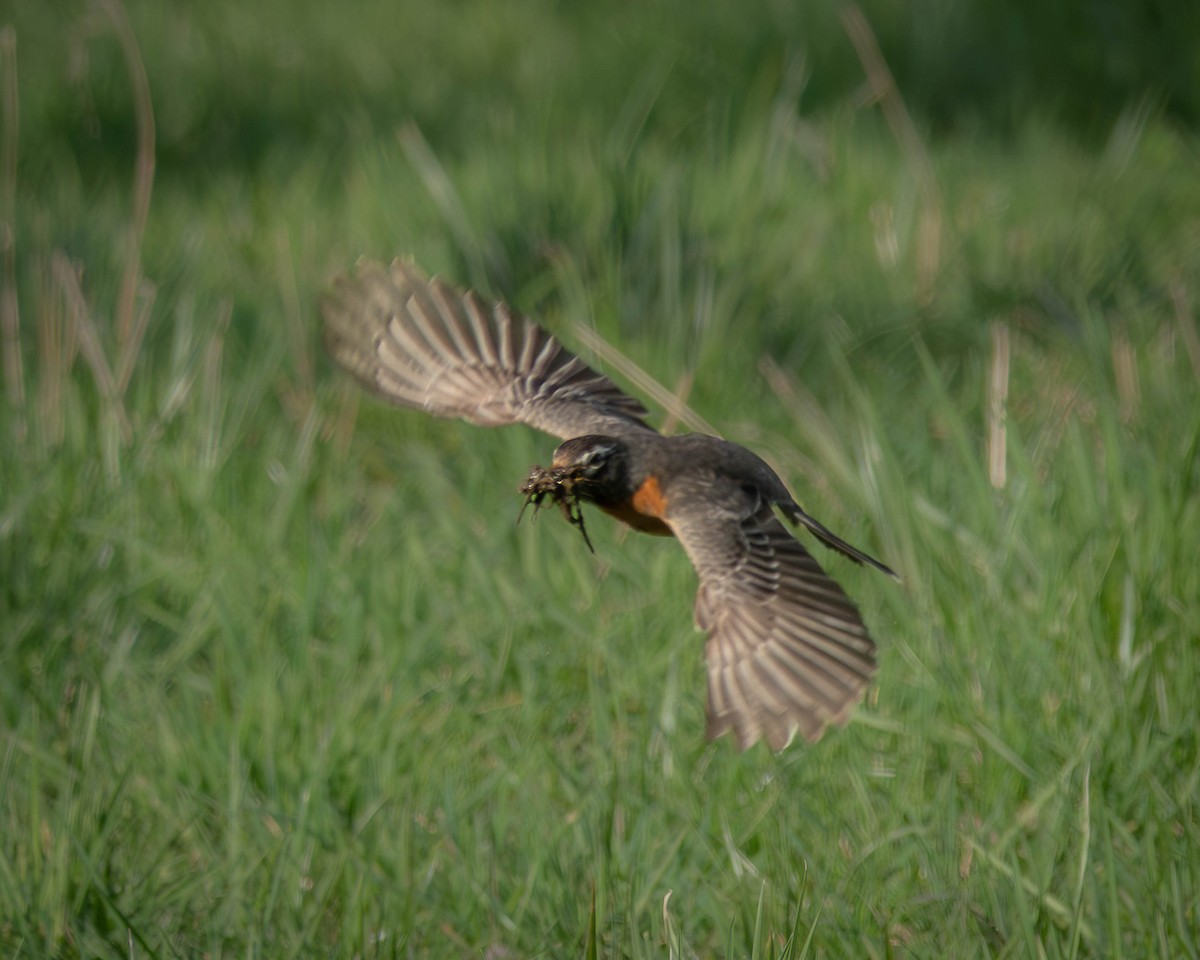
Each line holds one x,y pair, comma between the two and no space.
787,650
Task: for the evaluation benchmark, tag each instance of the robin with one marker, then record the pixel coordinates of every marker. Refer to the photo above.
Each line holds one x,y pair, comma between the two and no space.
787,650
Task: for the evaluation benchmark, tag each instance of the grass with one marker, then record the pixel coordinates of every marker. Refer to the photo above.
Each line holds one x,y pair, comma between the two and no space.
281,676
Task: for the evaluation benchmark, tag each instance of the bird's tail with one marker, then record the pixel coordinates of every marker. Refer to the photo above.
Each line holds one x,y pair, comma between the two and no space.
832,540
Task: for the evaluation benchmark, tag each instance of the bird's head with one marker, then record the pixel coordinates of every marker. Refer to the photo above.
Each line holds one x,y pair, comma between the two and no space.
585,468
591,465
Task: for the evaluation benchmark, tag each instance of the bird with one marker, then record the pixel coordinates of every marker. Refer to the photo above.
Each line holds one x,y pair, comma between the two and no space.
787,651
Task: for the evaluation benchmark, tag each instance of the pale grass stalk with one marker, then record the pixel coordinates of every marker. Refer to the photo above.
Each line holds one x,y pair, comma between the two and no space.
143,177
10,317
837,466
89,343
441,188
57,346
676,410
1129,391
1062,403
677,947
683,389
131,350
998,407
886,93
1185,320
210,387
1085,846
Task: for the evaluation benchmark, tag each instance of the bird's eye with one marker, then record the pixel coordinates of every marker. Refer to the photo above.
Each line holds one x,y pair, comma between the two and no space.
595,459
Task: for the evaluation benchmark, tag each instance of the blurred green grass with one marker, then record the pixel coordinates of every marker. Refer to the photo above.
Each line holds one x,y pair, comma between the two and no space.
282,676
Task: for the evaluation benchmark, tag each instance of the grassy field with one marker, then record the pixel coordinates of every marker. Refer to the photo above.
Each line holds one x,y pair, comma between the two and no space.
281,676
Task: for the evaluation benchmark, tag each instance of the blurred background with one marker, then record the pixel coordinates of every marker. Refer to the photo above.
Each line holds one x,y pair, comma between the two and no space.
278,674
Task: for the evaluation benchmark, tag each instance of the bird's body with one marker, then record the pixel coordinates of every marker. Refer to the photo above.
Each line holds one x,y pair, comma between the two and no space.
657,473
787,649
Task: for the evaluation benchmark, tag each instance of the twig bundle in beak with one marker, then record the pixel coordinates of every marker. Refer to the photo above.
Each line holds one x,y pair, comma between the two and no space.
559,487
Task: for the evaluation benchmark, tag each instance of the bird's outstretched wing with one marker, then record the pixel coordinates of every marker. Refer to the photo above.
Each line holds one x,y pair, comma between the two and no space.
425,344
787,649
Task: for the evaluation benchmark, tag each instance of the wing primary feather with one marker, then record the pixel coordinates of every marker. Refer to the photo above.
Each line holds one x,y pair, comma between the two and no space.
787,649
422,343
449,308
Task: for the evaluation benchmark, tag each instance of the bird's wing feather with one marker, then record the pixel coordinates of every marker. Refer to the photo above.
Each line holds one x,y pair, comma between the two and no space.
787,650
422,343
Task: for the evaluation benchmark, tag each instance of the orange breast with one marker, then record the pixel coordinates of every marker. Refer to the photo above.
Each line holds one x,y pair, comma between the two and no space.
645,509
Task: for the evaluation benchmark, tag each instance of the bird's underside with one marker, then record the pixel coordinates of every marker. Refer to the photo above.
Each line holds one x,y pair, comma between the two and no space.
787,650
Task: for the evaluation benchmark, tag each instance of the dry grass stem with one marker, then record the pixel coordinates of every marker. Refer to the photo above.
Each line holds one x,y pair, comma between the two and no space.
998,407
210,385
683,389
89,342
885,92
10,318
132,347
143,177
441,188
1186,321
1125,372
828,445
676,410
57,346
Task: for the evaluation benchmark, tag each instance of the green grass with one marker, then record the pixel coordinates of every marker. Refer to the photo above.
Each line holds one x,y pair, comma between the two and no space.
279,673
